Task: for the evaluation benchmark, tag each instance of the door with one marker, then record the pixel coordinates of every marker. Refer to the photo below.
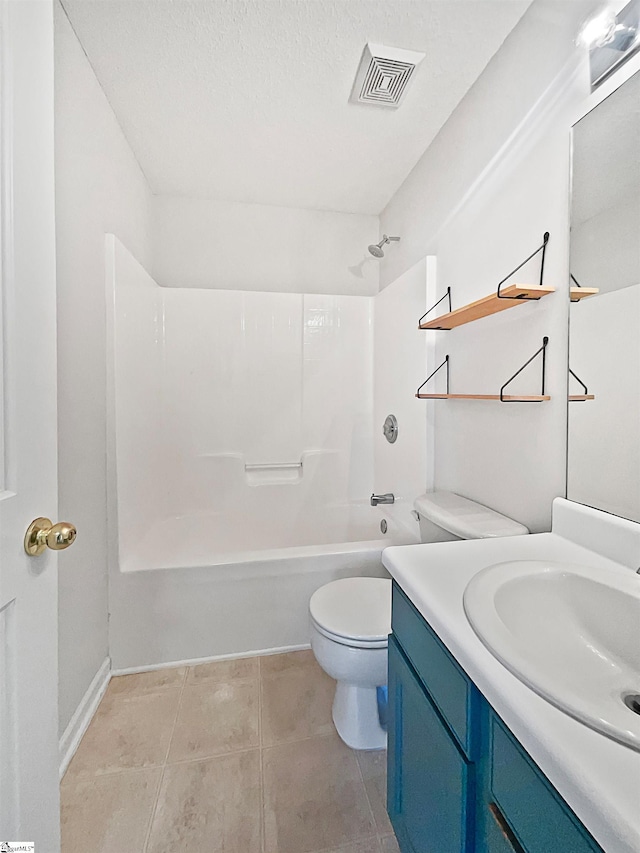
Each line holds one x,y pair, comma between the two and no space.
29,803
429,780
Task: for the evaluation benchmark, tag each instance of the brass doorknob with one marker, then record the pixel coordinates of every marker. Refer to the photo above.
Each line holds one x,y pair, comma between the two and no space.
42,534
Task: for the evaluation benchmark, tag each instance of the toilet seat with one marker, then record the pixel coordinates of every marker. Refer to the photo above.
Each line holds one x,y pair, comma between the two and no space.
350,641
354,612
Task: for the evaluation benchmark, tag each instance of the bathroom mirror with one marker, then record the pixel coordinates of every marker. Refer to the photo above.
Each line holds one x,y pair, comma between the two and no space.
604,347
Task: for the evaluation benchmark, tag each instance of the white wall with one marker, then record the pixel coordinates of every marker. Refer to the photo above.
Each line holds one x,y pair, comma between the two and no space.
403,358
201,243
511,457
486,121
494,180
99,188
135,305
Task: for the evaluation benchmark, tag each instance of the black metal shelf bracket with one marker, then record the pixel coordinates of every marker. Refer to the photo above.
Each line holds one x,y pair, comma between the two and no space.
442,298
543,250
579,381
577,284
431,375
543,351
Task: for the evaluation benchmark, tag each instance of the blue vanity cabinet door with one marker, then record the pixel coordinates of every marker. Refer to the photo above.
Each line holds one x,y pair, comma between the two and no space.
538,818
450,688
431,785
499,838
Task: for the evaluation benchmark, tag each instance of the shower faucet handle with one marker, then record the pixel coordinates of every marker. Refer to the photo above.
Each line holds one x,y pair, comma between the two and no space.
387,498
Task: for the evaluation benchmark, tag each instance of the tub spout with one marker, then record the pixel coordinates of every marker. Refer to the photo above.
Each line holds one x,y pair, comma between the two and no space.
389,498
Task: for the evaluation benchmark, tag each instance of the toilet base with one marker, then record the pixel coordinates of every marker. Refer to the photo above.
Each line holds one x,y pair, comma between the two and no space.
355,716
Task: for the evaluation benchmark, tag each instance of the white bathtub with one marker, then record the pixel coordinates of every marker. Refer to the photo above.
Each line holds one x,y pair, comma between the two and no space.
186,595
232,538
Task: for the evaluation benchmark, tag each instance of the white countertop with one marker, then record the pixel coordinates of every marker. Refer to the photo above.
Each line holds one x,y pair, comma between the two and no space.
598,778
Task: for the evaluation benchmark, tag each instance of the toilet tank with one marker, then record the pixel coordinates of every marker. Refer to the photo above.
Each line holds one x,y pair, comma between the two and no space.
445,517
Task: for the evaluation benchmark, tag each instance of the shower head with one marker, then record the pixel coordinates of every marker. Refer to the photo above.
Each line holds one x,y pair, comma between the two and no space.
375,249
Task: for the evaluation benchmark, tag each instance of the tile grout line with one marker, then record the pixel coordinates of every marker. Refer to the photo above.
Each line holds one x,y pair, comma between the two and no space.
82,776
147,839
216,755
153,810
291,741
175,719
366,793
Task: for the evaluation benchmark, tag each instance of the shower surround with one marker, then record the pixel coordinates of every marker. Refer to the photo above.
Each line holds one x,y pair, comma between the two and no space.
240,463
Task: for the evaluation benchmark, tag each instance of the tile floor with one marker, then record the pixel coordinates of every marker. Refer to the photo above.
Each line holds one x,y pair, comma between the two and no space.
235,756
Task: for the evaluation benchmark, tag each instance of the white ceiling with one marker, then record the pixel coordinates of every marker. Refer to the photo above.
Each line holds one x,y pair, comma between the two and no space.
247,100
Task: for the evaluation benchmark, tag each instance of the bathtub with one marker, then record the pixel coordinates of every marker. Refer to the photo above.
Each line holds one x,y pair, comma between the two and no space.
231,538
187,595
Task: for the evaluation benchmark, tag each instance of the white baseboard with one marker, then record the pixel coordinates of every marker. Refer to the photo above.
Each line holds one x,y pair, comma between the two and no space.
83,715
195,661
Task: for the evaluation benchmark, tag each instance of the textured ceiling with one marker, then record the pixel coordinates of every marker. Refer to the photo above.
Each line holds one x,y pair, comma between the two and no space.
247,100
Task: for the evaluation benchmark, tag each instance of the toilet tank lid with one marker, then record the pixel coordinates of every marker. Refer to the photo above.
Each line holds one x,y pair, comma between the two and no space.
465,518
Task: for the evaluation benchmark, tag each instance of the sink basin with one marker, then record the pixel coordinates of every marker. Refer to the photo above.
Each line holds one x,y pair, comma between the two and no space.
571,633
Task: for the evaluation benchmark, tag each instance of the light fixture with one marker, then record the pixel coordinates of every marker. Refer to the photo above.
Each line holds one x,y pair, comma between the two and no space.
611,38
598,30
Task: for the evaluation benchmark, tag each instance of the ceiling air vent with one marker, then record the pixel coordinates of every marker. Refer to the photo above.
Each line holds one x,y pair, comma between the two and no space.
383,75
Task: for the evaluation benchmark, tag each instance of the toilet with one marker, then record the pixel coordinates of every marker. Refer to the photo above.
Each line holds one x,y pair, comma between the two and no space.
351,618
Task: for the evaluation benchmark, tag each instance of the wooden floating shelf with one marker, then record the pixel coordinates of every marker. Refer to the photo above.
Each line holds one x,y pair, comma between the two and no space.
517,294
580,293
509,398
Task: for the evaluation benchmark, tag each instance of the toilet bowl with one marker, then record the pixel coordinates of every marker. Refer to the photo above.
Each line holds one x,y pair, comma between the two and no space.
350,626
351,618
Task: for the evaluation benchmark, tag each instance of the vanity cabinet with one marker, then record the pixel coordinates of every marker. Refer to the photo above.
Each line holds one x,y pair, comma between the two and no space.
458,781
